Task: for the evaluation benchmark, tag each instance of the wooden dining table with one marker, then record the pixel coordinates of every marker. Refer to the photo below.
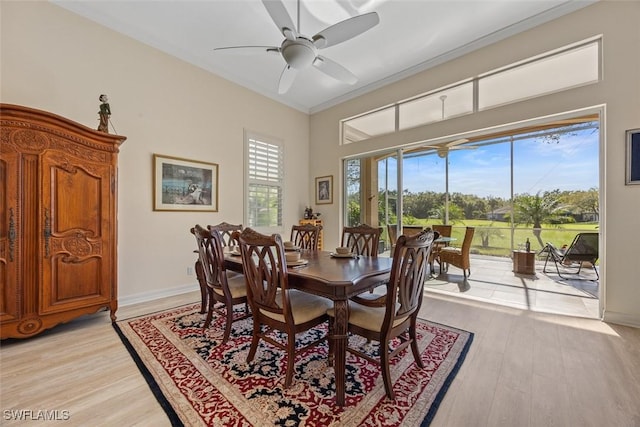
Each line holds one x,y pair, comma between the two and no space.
337,279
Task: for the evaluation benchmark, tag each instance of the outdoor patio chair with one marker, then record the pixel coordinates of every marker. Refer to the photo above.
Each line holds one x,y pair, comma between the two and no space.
584,248
443,231
458,256
392,232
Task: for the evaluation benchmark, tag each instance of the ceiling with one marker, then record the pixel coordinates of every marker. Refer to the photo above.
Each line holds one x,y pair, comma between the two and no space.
412,35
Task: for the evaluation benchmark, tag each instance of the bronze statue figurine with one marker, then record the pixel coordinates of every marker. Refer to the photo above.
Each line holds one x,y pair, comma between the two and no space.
104,113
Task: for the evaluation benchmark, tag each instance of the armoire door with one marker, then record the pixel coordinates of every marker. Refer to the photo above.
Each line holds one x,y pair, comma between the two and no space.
10,226
76,217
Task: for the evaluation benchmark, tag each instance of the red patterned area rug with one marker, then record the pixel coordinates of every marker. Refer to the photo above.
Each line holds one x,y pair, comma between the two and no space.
201,382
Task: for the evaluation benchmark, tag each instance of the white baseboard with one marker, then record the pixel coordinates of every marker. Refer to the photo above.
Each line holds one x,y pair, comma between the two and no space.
163,293
621,319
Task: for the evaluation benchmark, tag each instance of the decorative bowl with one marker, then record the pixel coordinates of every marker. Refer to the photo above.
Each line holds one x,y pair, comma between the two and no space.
292,256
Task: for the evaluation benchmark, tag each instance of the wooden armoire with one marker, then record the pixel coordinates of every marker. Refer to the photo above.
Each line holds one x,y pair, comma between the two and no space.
58,228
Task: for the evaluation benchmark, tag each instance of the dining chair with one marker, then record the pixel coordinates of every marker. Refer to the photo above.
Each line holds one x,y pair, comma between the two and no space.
394,314
273,304
458,256
226,231
228,289
362,239
305,236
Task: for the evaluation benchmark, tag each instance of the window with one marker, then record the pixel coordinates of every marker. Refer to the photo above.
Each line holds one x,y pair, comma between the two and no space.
369,125
562,69
452,102
265,180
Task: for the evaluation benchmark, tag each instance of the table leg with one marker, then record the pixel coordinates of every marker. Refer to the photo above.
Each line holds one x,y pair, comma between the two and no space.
339,337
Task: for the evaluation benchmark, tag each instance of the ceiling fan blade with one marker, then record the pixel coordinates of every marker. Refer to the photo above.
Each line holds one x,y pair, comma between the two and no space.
281,18
248,50
286,79
334,70
345,30
466,147
457,142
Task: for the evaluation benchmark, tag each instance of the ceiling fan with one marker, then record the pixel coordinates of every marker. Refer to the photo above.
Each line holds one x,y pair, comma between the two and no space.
300,51
443,149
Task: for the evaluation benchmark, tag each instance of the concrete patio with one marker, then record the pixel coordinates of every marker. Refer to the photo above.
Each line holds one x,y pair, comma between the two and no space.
492,280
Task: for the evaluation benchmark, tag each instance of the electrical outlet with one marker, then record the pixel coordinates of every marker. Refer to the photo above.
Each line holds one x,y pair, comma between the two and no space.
189,271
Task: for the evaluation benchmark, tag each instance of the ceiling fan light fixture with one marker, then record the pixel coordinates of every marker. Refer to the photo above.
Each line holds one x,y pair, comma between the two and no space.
442,152
299,54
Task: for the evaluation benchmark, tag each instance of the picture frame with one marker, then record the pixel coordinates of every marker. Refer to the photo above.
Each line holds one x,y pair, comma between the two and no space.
184,185
633,157
324,190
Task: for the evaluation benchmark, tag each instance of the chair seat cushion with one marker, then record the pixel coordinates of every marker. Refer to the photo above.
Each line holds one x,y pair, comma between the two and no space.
237,285
304,306
369,318
451,250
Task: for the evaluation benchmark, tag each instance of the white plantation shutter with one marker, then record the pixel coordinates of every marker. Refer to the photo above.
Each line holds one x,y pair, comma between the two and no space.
265,178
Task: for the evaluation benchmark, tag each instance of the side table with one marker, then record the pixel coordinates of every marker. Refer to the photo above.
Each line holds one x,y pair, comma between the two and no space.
524,262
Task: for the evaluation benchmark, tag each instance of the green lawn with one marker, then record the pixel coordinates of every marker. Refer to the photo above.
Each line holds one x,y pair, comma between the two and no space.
499,235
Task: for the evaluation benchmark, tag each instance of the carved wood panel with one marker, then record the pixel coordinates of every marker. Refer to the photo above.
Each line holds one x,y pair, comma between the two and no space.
58,228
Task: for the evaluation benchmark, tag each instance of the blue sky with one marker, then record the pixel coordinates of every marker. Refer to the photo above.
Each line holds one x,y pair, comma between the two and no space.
571,164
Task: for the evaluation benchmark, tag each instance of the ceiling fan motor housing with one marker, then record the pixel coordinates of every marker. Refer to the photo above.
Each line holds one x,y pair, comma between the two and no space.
299,53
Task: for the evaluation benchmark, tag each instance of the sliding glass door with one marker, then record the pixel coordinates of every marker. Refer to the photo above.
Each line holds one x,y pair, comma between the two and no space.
540,185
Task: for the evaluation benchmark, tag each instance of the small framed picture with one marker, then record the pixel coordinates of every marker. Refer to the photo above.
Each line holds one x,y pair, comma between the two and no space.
184,185
324,190
633,156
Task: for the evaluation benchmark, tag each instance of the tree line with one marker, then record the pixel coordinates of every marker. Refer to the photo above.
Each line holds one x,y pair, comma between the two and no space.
544,207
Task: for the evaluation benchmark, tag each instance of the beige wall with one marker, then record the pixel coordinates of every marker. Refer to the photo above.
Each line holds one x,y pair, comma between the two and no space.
617,96
59,62
56,61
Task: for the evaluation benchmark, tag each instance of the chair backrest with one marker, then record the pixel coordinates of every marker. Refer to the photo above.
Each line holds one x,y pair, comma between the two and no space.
466,243
392,231
410,230
226,231
306,236
443,230
265,273
409,271
211,256
583,248
362,239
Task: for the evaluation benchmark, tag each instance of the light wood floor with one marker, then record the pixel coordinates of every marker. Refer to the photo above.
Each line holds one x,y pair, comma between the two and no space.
524,368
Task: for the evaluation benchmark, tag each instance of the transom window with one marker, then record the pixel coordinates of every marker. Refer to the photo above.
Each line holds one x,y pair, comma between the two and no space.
555,71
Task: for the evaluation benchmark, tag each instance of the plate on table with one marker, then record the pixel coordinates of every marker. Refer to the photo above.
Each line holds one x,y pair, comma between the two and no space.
297,263
337,255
